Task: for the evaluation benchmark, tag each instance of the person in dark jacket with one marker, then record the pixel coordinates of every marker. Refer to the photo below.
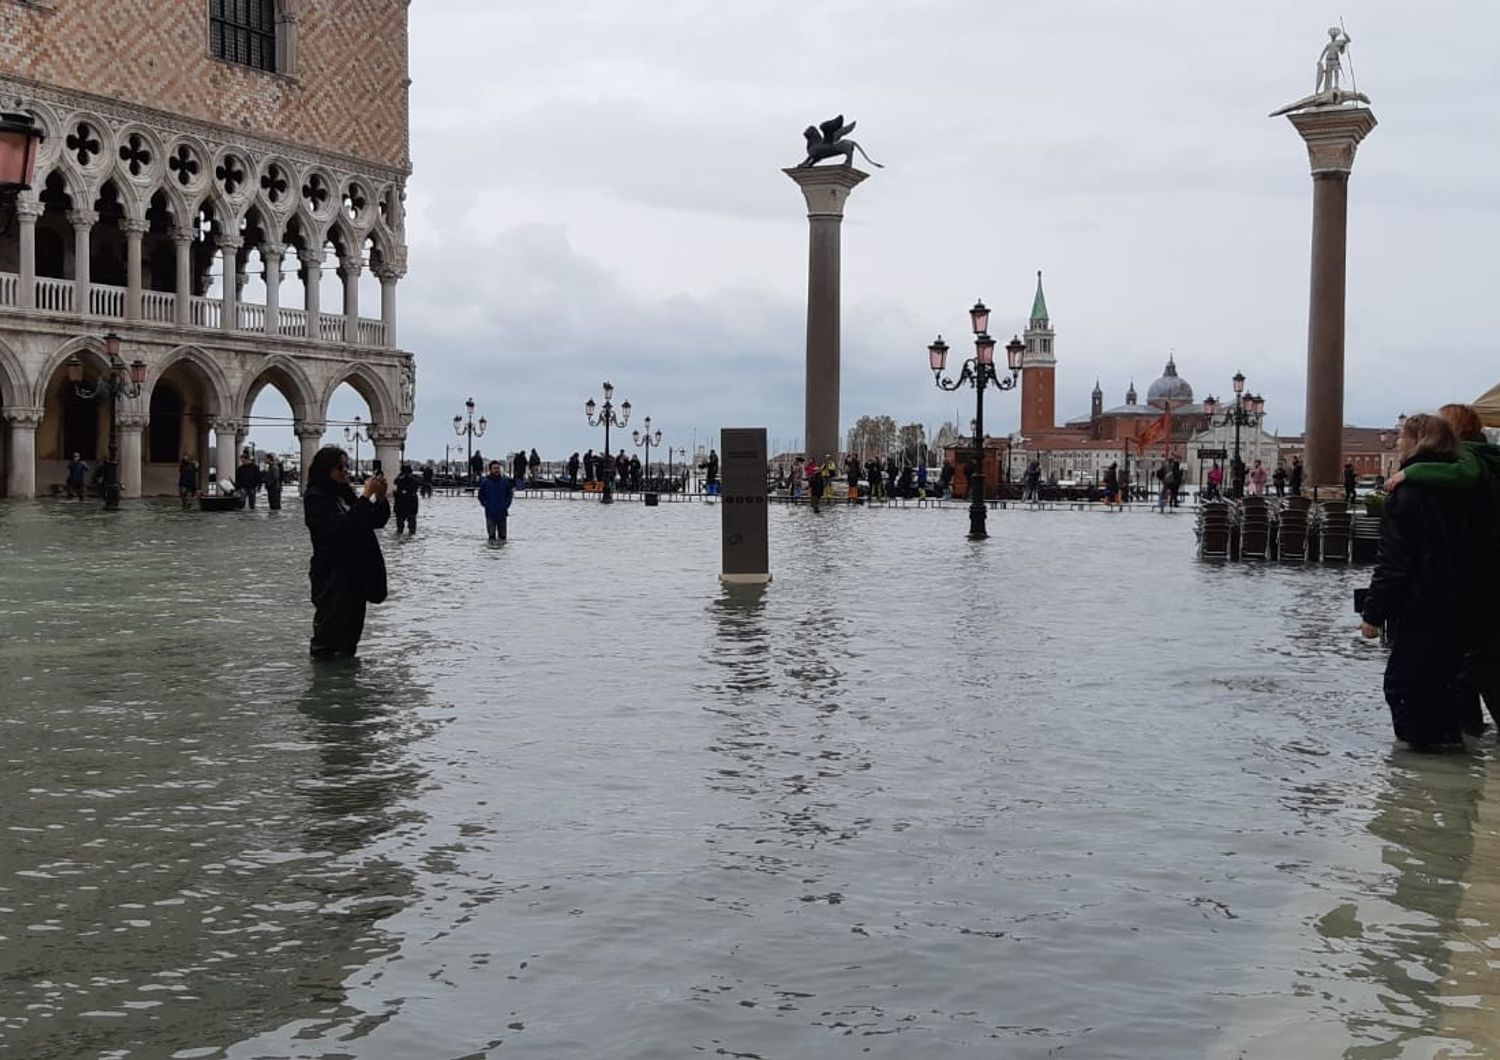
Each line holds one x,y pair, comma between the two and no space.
518,468
588,466
187,481
534,465
1435,577
427,477
1295,479
247,479
1349,483
476,467
711,468
347,569
78,472
573,471
407,489
271,478
495,494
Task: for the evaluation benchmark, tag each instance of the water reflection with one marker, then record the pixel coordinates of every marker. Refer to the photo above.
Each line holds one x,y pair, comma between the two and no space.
1429,957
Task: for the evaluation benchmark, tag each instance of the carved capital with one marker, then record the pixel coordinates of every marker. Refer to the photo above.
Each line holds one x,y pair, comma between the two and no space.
183,236
133,227
1332,134
82,218
28,210
387,435
388,273
231,242
272,252
309,429
22,416
826,188
228,427
312,259
130,421
350,268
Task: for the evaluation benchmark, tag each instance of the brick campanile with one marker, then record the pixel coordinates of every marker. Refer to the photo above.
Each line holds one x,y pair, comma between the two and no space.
1038,369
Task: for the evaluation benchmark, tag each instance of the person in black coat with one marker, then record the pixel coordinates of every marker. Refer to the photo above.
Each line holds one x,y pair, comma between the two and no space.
247,479
1434,582
406,504
347,569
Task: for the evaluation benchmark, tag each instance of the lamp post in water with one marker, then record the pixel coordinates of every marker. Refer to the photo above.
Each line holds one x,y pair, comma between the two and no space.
469,430
1246,411
647,439
609,419
114,385
358,434
978,372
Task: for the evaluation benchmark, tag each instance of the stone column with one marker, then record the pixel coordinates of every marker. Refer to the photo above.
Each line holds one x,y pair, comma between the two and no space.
182,239
27,212
389,441
1332,134
134,232
227,453
349,270
826,189
20,450
310,438
270,256
83,223
202,444
389,277
312,280
230,246
132,427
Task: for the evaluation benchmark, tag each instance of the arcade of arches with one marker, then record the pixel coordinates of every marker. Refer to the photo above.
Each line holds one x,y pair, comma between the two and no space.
196,401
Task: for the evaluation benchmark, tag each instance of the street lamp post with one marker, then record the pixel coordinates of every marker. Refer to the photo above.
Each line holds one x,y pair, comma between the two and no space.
358,434
671,451
607,417
646,439
112,386
1247,411
468,430
978,372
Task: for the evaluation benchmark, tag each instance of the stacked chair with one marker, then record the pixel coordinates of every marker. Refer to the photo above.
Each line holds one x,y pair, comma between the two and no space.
1214,530
1255,528
1335,527
1293,529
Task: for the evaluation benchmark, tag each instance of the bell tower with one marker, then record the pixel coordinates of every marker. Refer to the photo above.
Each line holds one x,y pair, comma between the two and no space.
1038,368
1096,402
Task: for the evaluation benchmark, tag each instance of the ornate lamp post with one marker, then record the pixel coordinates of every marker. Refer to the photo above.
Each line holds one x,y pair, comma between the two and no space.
112,386
673,450
359,433
1247,411
19,138
646,439
978,372
607,417
468,430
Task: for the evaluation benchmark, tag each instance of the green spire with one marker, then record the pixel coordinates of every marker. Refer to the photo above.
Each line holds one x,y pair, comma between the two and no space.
1039,303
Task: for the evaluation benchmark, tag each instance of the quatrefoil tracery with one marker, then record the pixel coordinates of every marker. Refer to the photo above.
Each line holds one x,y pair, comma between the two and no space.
185,164
135,154
274,183
84,143
354,202
315,191
230,173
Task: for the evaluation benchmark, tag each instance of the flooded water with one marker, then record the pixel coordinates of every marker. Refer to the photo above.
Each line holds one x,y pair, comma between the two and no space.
1066,793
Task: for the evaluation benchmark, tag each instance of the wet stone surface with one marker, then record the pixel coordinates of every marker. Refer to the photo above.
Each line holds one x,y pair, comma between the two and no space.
1065,793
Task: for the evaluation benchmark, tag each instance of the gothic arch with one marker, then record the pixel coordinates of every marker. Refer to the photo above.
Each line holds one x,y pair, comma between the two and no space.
90,347
370,386
219,389
13,388
291,382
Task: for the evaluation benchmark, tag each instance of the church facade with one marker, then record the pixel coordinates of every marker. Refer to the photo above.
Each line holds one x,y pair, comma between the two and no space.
221,187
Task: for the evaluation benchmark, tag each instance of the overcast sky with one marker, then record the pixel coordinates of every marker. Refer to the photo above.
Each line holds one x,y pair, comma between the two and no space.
597,194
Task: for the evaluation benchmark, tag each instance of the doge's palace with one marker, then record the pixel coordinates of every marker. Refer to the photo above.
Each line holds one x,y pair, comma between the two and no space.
210,170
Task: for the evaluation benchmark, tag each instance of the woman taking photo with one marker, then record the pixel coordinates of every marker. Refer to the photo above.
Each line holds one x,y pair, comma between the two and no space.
1435,577
347,569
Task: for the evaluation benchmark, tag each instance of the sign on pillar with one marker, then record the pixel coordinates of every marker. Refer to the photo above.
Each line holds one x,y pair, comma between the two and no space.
744,508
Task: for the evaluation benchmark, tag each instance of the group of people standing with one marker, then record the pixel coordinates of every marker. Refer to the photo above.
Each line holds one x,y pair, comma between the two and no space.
1436,583
249,480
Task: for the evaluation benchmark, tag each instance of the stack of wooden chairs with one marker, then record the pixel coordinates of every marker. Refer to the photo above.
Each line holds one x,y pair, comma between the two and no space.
1215,530
1255,528
1336,532
1293,528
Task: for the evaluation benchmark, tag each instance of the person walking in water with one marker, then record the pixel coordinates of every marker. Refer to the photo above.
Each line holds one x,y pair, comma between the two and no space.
247,479
406,504
270,478
495,494
78,473
187,481
573,471
347,570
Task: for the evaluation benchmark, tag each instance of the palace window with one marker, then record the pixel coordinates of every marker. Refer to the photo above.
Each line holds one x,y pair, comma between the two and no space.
244,31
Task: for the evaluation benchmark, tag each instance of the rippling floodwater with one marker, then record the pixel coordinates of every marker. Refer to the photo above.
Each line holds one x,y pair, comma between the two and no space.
1067,793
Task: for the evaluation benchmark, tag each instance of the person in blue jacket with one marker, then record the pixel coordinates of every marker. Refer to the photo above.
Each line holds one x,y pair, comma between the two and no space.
495,493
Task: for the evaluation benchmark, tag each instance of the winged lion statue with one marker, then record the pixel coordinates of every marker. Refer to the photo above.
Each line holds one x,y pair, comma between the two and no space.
831,139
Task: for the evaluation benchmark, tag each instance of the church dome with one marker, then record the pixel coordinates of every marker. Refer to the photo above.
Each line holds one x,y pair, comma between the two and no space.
1170,388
